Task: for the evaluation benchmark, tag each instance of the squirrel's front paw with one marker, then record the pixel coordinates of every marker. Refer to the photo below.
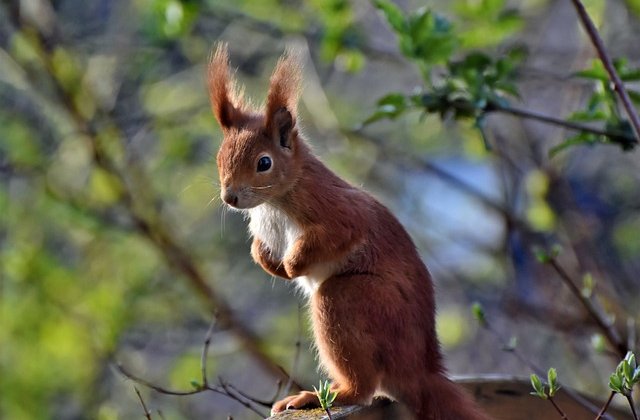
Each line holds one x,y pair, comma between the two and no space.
304,399
293,265
292,269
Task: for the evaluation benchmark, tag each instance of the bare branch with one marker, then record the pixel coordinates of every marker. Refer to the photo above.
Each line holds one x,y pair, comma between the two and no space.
532,115
153,386
558,409
147,414
606,405
633,407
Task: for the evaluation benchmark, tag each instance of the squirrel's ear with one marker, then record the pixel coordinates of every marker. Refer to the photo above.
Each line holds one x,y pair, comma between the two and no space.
226,101
282,100
282,127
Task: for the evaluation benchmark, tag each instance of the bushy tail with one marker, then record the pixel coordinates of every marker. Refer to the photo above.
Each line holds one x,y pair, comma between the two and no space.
442,399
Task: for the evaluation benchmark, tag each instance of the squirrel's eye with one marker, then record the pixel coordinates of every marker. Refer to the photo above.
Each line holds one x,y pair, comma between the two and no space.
264,164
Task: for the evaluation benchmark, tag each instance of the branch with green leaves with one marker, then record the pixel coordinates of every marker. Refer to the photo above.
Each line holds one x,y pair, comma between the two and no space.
586,298
610,67
625,377
546,392
621,381
511,346
474,85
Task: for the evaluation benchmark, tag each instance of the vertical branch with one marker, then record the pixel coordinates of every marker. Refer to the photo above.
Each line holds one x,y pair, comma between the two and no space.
205,353
608,65
633,407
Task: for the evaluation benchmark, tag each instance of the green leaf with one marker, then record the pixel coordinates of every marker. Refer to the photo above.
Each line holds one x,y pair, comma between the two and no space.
635,96
325,396
580,139
589,115
598,343
594,73
627,371
541,255
536,383
631,359
389,106
630,75
394,15
615,383
478,313
587,285
552,379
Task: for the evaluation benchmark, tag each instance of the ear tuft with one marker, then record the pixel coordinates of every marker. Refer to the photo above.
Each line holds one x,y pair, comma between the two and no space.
226,101
284,91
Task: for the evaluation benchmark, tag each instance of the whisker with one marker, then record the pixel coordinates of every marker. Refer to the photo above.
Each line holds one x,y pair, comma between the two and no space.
213,200
262,187
223,220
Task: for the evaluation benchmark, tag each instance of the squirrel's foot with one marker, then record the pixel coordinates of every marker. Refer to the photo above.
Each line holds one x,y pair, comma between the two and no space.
304,399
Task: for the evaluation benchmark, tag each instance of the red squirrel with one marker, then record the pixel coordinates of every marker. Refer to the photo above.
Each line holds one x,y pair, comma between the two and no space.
371,296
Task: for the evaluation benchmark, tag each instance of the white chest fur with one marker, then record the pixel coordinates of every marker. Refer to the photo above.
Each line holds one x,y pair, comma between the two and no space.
274,228
278,232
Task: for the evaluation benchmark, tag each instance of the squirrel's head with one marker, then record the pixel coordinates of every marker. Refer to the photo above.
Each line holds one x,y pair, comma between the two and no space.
258,158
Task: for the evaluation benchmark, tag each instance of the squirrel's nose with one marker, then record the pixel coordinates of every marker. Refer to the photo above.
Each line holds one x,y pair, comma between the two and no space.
230,197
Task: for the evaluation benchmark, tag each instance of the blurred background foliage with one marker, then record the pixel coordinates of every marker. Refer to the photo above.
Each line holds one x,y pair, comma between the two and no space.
114,246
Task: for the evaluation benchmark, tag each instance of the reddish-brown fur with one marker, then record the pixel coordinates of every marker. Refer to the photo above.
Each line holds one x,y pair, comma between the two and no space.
371,296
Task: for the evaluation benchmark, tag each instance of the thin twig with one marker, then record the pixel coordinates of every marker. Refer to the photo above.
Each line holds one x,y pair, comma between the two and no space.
633,408
153,386
611,334
205,352
147,414
597,42
606,405
558,409
226,390
255,400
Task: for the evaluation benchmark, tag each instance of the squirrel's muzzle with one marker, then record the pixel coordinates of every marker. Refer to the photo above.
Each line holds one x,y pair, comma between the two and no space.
230,197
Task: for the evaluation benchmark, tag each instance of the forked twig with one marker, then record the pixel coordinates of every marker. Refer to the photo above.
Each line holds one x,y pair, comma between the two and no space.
223,388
